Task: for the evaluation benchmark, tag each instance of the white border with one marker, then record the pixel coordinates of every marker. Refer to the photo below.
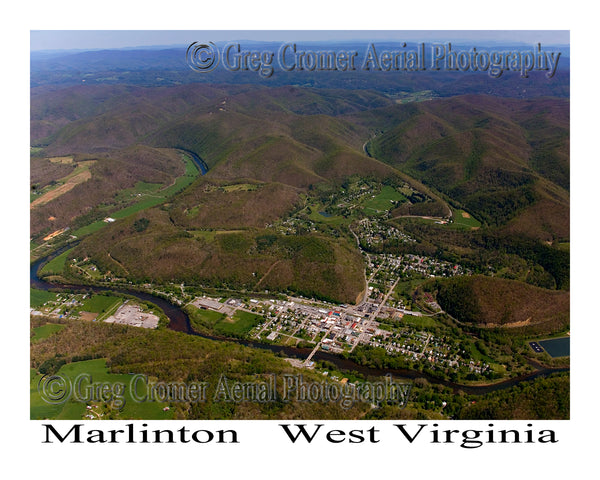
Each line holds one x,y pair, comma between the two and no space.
264,453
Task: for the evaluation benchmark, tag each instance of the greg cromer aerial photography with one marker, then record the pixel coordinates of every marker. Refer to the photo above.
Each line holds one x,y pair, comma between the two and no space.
300,225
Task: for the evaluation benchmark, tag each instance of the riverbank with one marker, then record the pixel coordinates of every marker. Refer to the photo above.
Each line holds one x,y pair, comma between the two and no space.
179,321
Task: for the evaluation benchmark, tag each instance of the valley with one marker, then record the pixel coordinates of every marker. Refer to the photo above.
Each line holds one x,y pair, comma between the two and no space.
425,237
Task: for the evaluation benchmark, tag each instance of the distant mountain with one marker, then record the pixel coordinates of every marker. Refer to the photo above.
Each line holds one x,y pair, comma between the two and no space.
168,67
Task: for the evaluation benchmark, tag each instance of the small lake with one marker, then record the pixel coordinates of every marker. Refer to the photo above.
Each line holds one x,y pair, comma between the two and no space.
325,214
557,347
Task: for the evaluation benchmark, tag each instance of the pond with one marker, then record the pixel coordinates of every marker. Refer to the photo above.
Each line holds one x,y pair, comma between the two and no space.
557,347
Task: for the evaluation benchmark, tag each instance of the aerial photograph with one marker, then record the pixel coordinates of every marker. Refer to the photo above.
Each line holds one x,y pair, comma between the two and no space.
299,225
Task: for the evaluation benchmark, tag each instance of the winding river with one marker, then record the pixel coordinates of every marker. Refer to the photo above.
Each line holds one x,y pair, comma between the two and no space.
179,321
201,164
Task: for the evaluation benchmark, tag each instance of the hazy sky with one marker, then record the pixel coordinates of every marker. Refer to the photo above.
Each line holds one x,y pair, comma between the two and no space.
105,39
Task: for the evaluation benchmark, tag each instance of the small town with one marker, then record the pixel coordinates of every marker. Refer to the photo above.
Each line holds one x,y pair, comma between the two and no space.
341,328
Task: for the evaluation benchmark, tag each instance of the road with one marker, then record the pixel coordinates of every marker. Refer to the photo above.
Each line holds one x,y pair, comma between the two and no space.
308,359
387,295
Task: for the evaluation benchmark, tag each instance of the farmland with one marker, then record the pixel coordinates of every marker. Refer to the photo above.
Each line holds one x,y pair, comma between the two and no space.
39,297
79,175
56,266
104,405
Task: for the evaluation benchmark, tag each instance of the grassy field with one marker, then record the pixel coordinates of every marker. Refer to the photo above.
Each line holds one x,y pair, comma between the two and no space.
334,220
245,187
240,324
56,265
406,287
140,189
420,322
103,305
384,200
38,297
39,333
67,159
202,319
74,410
208,235
462,219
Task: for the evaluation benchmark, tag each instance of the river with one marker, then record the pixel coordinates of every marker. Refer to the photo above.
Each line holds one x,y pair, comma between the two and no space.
180,322
201,164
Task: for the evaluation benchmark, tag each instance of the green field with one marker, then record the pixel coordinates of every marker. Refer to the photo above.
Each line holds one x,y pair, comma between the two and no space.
333,220
243,187
208,235
202,319
38,297
158,197
420,322
237,326
141,189
39,333
75,410
462,219
240,324
56,265
384,200
405,288
103,305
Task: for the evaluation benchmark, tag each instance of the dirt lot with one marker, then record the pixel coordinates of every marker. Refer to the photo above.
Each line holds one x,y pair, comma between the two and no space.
89,316
131,314
61,159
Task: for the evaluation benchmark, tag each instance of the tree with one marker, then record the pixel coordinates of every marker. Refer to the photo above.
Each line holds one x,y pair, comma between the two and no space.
141,224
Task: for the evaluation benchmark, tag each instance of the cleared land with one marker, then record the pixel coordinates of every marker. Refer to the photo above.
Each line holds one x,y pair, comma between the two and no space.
80,175
103,305
65,159
464,220
56,265
240,324
384,200
39,333
38,297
